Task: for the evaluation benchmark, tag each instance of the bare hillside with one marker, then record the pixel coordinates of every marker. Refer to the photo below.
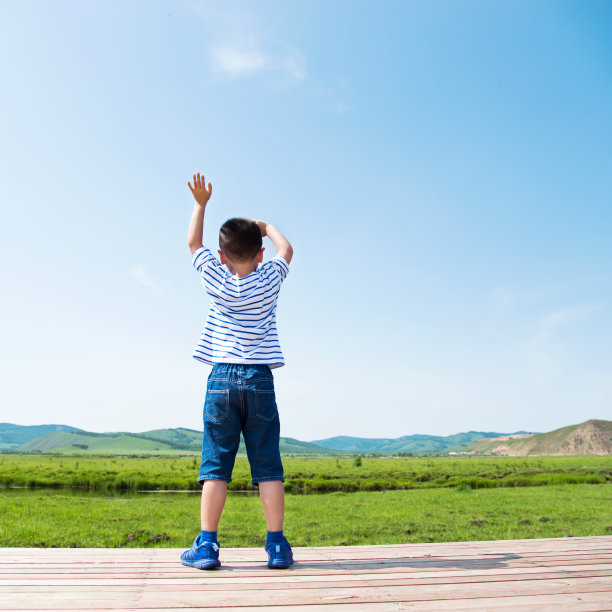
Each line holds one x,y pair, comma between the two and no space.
593,437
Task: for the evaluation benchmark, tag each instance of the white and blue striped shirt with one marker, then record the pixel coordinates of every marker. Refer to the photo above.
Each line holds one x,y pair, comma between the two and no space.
241,322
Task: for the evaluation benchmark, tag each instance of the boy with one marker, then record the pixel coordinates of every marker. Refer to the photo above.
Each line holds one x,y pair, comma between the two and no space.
241,343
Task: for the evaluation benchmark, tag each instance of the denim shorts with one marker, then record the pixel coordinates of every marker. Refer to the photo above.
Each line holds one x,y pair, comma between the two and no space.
240,398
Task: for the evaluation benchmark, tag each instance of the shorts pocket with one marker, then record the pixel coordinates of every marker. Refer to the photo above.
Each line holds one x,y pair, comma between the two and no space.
265,404
216,406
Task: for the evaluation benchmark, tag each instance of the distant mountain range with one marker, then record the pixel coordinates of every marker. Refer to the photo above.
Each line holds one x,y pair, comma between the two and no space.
590,437
63,438
416,443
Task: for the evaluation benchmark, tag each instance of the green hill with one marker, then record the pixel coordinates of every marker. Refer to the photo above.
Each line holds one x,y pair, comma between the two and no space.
94,443
593,437
158,441
291,446
179,437
13,436
417,443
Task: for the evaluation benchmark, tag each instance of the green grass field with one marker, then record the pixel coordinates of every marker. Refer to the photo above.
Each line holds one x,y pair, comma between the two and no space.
305,475
85,519
383,500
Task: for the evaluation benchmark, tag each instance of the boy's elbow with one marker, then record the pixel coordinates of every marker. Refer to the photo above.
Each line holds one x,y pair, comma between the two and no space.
287,253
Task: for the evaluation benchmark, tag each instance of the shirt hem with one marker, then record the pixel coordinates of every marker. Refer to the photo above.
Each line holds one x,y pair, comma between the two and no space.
270,364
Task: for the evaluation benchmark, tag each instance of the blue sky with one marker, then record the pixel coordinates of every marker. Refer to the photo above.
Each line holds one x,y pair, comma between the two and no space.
442,169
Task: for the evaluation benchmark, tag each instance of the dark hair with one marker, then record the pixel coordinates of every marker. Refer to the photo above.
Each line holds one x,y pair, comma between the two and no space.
240,239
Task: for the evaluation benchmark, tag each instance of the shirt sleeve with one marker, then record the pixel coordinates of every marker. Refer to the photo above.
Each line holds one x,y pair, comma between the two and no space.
280,265
213,275
201,257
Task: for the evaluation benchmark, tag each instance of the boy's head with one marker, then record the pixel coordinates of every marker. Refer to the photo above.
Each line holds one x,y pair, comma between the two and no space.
240,240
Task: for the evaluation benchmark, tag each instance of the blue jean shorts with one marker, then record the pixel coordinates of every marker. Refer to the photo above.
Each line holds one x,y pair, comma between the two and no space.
240,398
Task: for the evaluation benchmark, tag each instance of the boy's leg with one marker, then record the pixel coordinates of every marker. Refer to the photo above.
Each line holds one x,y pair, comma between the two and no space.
219,446
214,494
204,553
220,443
272,495
261,430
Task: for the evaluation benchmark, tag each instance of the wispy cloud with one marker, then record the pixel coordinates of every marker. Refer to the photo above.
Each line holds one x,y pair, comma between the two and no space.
242,57
548,323
240,43
139,273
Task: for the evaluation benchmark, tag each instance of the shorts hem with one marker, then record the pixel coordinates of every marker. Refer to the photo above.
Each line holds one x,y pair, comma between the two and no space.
266,479
204,477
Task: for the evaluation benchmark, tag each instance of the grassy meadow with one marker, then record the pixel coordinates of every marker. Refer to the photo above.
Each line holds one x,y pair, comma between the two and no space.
304,474
83,519
94,501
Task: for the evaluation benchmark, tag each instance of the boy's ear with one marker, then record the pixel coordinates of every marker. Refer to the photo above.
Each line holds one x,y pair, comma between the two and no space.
222,257
260,255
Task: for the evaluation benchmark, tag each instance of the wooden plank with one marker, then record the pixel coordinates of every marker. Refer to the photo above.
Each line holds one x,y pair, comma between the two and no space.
231,573
592,604
229,562
555,605
549,544
586,602
162,557
268,576
228,571
415,550
154,585
141,599
225,576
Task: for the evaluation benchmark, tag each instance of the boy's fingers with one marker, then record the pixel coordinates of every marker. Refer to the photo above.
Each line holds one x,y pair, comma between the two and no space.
199,183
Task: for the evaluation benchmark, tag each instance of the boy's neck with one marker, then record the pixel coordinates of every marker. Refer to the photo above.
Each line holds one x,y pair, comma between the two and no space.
241,269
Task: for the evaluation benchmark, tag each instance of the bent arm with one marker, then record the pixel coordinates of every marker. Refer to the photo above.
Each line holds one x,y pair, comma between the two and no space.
282,245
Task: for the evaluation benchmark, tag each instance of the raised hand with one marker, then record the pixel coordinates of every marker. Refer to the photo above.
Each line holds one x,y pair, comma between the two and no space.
262,227
199,190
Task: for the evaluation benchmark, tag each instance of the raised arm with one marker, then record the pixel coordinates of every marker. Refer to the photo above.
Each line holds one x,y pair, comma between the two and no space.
283,248
196,224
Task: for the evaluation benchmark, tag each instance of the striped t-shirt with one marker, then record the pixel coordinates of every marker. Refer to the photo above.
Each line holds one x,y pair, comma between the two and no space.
241,322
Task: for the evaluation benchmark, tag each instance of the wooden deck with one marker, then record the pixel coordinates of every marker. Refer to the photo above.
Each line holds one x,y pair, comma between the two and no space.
548,574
